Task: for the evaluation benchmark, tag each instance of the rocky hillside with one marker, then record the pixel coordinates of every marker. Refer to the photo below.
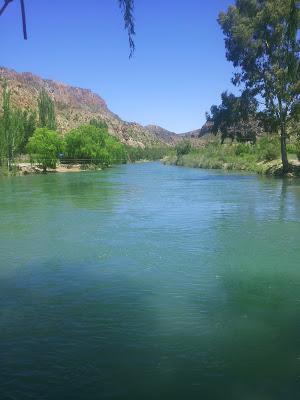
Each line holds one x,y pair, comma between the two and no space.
159,131
76,106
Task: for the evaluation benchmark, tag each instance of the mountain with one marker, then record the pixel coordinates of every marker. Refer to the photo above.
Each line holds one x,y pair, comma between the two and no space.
159,131
192,134
76,106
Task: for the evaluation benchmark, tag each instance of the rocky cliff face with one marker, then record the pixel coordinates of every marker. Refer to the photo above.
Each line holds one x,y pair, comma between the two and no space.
77,106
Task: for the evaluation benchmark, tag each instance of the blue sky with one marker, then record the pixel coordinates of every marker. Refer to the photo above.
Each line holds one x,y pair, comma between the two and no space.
178,71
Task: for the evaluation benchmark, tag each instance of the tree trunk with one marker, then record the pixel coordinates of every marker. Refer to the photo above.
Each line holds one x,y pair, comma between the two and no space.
284,158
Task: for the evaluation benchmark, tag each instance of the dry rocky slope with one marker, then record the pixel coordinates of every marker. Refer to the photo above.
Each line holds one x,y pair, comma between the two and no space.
76,106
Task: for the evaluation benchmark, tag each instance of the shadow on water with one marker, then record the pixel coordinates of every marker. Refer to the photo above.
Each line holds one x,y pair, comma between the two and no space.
86,190
90,335
258,334
78,332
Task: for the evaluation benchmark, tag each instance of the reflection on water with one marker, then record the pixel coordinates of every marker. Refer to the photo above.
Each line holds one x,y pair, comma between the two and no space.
146,282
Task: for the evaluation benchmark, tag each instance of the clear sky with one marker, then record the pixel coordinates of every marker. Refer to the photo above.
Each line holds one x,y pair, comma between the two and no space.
178,70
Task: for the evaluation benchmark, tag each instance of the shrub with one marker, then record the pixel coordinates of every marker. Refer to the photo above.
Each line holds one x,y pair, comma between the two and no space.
242,148
44,147
183,148
292,148
268,148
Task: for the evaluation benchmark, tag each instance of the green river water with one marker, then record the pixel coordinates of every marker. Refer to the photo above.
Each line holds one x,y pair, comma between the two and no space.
149,282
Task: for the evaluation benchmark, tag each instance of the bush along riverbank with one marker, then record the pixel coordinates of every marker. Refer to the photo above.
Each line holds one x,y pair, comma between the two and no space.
262,157
82,157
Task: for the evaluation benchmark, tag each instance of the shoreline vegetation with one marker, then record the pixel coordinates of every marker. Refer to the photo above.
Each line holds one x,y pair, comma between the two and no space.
27,165
263,157
24,166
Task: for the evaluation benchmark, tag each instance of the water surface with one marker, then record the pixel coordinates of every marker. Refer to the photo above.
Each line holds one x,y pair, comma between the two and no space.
149,282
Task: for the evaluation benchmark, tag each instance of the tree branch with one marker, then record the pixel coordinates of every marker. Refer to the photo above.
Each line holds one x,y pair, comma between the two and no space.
127,6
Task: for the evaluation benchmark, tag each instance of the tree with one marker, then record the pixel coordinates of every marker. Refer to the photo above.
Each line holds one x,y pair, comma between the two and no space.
29,125
46,111
92,145
44,147
261,41
10,128
235,117
115,149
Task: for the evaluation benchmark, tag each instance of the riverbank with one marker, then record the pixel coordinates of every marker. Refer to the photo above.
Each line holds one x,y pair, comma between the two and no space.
27,168
260,158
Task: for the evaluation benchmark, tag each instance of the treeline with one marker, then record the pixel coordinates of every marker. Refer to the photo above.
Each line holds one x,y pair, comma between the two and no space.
262,42
34,133
146,153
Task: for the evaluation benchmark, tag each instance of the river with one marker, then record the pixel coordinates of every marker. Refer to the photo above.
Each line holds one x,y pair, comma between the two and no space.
149,282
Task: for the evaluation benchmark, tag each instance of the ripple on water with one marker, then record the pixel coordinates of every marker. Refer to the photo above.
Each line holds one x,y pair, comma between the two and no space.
149,281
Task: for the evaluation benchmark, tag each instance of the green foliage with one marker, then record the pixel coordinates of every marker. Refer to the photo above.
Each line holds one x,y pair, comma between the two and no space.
16,126
232,118
47,118
242,148
44,147
98,123
115,149
28,120
268,148
10,129
92,145
261,40
237,156
183,147
292,148
147,153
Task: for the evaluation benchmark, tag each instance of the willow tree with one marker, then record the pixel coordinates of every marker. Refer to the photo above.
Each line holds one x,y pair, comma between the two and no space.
44,147
261,41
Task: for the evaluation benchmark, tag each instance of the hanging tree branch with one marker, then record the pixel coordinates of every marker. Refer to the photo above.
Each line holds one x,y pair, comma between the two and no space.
22,4
6,3
23,19
127,7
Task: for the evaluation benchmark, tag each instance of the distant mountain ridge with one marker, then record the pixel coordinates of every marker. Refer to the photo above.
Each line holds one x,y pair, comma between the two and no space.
76,106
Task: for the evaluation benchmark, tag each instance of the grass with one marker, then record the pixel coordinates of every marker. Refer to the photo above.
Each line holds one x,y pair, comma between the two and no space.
263,157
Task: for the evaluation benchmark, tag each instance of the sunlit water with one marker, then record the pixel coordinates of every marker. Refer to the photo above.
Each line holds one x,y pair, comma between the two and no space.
149,282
